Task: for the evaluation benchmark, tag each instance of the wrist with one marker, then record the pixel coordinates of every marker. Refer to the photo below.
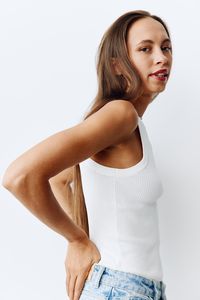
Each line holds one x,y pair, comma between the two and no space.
74,232
80,236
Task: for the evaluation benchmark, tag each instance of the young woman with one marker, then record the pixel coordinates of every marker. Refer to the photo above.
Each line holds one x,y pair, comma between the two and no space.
96,183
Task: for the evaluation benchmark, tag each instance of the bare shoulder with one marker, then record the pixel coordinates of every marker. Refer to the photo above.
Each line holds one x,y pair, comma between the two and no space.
126,116
121,103
119,113
114,122
123,107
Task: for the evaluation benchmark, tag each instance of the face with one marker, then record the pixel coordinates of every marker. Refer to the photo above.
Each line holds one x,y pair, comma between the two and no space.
150,56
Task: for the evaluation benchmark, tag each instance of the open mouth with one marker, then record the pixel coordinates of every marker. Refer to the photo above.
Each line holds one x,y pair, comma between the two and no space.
160,76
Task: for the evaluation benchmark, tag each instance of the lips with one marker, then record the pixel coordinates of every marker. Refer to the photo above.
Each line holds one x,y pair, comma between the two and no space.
161,72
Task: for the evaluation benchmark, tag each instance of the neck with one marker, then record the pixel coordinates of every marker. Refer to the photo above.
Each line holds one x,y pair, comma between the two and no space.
141,103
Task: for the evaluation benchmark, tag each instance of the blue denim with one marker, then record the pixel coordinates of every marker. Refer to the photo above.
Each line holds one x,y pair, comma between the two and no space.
105,283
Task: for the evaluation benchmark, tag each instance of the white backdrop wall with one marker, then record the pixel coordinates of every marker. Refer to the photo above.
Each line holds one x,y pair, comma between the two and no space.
48,80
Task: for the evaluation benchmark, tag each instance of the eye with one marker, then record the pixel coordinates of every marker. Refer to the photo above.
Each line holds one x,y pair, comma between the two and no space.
147,49
168,48
143,49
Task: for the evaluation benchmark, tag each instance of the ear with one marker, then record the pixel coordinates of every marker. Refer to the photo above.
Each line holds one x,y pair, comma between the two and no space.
116,66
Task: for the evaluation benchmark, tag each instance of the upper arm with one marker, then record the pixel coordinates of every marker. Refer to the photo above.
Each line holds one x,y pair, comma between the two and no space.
110,124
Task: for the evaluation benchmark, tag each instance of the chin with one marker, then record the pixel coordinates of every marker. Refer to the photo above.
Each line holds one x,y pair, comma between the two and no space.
156,89
159,90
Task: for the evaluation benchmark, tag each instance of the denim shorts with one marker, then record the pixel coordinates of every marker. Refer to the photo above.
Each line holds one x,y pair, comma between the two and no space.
105,283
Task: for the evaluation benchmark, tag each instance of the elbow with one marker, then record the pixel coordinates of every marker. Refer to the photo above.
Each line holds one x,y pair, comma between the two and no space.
24,185
6,183
13,180
8,179
12,183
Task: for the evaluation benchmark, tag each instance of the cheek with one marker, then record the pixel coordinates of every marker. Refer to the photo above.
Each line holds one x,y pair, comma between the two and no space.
143,71
141,64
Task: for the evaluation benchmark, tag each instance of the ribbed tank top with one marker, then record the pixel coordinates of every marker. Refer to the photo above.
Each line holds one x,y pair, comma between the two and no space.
122,212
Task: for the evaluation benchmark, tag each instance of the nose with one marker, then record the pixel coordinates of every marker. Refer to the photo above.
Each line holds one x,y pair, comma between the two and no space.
160,57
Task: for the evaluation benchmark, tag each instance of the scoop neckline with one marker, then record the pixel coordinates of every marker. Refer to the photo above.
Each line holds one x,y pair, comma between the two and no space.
99,168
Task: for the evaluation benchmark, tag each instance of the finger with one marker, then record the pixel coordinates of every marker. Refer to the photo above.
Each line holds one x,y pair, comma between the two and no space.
80,281
67,282
90,271
72,283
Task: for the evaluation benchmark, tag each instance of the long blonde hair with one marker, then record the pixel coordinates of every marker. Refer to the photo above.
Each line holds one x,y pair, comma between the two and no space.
127,86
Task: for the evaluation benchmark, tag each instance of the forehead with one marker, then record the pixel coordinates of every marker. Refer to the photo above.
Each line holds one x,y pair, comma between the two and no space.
146,29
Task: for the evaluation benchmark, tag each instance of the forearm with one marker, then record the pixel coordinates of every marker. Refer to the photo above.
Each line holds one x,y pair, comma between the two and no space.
64,195
36,195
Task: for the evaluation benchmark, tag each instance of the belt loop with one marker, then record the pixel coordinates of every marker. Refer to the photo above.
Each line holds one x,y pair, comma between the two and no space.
97,274
157,292
163,291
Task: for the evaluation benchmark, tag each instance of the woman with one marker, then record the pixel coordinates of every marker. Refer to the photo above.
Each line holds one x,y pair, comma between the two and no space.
108,215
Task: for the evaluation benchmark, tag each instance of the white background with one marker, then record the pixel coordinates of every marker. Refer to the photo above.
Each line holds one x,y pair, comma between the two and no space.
47,81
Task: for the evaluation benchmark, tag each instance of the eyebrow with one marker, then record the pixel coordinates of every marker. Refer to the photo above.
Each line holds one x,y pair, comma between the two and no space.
151,42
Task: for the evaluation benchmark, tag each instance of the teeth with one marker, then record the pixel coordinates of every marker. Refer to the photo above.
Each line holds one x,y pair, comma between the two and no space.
160,75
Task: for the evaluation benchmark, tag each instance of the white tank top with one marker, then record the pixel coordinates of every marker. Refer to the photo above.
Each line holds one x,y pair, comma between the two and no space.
122,212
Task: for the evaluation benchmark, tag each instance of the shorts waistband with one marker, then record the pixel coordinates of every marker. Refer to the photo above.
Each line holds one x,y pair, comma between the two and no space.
120,279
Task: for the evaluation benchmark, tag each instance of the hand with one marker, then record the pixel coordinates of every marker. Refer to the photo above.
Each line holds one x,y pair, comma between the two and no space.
81,255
